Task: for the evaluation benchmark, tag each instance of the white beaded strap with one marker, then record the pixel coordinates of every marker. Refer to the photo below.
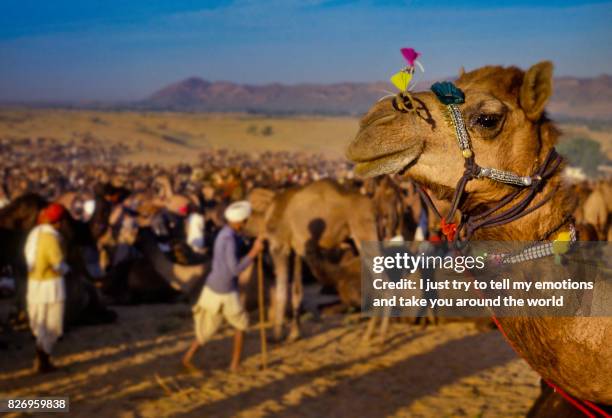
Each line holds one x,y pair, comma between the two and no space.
507,177
456,120
535,251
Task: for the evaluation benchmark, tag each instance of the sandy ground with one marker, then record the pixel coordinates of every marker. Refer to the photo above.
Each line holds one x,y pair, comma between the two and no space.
131,369
147,133
170,138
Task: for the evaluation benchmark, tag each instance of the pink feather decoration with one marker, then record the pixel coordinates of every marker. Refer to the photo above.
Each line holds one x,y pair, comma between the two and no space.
410,55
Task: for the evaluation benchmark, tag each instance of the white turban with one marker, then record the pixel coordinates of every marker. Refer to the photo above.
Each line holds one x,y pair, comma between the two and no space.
89,207
238,211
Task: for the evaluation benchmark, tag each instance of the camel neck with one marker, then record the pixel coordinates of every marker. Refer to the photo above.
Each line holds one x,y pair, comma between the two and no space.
541,223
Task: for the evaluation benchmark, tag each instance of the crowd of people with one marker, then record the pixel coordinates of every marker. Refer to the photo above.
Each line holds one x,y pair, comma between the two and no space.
74,177
95,184
50,168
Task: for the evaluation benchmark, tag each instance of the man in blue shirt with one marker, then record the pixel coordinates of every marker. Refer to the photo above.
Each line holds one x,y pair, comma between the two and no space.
219,298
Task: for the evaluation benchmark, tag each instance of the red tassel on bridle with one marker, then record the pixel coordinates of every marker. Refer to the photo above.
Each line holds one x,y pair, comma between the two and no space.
448,229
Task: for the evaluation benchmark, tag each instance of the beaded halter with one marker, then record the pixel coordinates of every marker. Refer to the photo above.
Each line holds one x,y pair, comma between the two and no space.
450,96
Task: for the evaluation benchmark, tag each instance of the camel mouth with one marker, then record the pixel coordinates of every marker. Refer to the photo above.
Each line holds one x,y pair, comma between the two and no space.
373,157
397,162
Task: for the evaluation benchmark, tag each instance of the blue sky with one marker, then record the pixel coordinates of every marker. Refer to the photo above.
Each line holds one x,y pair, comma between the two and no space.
123,50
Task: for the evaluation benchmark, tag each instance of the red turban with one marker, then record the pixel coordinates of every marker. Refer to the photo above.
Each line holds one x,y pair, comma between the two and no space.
52,214
184,210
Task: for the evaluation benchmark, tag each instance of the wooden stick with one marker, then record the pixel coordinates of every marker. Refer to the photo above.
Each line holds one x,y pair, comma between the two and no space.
163,384
262,313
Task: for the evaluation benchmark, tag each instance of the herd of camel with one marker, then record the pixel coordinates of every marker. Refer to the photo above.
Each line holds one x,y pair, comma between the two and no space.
132,246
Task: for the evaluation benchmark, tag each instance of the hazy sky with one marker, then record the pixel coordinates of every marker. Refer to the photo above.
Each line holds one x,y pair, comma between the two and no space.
122,50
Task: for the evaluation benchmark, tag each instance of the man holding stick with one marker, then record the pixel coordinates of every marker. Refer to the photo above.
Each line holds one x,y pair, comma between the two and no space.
219,298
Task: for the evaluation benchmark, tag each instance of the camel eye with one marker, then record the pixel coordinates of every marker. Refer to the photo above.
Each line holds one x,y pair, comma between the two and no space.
487,121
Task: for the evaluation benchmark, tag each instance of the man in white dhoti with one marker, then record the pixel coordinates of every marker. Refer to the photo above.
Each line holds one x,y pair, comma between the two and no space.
46,292
219,298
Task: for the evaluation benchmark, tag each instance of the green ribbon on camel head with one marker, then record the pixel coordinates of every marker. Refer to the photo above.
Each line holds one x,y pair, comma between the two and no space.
448,93
451,96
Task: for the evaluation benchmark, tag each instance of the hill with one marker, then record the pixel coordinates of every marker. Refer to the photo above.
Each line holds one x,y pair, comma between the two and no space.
573,98
585,98
196,94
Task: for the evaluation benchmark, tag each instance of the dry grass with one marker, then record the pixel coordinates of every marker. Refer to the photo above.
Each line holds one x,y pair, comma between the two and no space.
170,137
178,137
575,130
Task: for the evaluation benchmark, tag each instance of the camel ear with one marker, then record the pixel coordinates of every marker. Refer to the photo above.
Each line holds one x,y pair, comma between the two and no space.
536,89
461,71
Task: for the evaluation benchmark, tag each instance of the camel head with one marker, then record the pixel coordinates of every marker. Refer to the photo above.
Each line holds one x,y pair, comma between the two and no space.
504,116
261,200
163,187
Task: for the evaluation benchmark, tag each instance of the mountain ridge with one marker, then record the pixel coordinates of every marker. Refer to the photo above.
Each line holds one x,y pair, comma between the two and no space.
579,98
573,97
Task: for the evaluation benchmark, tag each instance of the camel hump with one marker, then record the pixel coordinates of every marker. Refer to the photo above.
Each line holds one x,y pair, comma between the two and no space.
294,203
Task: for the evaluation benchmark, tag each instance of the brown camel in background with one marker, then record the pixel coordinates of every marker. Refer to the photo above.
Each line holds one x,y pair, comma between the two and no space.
389,208
184,278
597,209
504,114
310,222
138,271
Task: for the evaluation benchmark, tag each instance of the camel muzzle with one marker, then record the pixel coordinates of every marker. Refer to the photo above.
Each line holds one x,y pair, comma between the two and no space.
373,152
373,160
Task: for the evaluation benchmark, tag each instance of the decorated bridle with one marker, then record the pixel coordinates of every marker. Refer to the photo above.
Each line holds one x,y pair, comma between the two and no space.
450,96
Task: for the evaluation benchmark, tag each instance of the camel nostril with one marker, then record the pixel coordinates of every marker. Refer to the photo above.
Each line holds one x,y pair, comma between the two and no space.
382,119
378,119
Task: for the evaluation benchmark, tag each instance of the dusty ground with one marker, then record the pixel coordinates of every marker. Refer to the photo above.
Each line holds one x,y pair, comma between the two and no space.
170,137
131,369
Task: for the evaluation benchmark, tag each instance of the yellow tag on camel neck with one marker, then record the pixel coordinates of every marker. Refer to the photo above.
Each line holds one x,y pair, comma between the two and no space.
561,244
